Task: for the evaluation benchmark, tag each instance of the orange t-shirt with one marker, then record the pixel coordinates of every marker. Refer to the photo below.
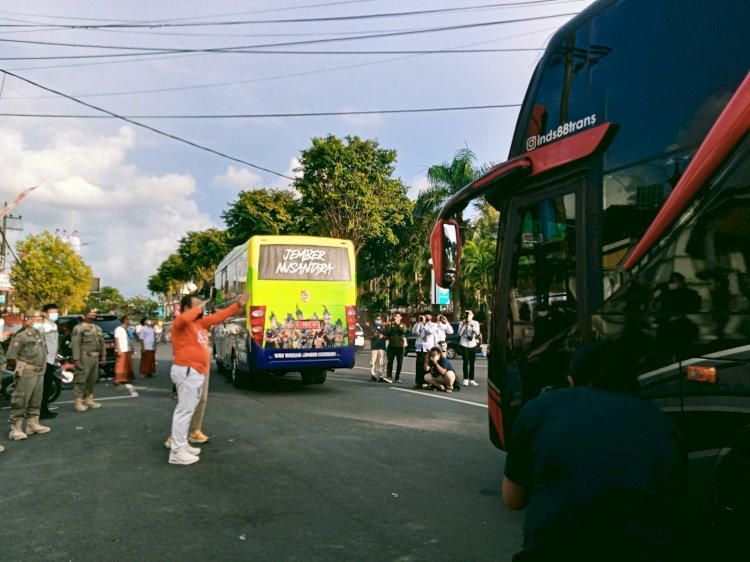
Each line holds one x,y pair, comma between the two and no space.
190,344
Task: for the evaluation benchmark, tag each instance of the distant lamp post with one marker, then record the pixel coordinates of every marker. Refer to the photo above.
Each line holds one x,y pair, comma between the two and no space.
420,294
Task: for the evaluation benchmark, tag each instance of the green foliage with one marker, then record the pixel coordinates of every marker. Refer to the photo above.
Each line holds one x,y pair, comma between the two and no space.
171,274
261,211
140,306
49,271
200,252
108,300
347,191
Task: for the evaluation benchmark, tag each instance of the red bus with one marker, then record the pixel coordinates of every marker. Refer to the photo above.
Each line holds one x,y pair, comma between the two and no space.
625,216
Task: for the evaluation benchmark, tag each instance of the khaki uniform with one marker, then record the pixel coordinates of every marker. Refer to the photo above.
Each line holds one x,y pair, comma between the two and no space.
87,345
30,352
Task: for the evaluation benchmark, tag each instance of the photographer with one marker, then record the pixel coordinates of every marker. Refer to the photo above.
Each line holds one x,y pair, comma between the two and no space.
443,329
395,332
425,330
377,354
471,337
441,373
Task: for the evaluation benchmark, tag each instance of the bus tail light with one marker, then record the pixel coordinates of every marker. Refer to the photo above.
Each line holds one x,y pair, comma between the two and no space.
257,323
351,321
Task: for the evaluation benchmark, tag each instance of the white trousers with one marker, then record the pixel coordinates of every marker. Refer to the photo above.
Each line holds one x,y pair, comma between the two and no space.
189,383
377,362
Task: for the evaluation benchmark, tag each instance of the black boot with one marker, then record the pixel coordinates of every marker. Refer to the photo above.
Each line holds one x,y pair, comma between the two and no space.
47,415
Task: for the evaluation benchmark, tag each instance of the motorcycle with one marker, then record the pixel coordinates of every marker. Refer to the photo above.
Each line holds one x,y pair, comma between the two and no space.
8,385
65,371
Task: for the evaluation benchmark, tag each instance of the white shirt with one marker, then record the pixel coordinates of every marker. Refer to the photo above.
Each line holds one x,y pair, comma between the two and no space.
426,333
443,328
146,334
49,333
122,341
467,329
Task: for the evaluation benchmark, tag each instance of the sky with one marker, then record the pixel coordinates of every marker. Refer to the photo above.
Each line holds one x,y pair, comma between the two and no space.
130,193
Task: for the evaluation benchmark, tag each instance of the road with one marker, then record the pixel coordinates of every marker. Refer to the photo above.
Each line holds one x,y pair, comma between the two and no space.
348,470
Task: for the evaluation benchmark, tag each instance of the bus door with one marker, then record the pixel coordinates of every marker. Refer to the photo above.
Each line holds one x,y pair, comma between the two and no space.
542,272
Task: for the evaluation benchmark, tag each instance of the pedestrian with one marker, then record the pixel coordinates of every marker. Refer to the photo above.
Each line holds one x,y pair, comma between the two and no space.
377,351
51,340
123,352
87,345
426,331
602,474
395,332
192,361
439,373
28,350
444,329
148,349
159,332
470,338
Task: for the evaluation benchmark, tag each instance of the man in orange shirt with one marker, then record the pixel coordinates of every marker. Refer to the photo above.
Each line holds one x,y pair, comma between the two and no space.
190,367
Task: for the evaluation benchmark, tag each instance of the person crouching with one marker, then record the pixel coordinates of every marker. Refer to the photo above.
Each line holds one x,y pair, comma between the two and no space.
441,373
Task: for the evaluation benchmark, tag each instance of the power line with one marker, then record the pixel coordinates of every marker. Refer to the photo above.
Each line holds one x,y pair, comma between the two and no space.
249,48
297,20
267,115
147,127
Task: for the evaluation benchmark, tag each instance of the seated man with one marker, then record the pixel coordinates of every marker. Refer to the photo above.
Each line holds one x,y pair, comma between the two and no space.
438,371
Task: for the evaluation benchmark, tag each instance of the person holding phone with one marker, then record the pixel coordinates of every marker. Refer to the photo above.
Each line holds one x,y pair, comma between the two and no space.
440,373
191,366
471,337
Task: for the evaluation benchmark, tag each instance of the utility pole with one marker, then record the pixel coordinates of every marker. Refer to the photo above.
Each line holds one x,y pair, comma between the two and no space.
4,243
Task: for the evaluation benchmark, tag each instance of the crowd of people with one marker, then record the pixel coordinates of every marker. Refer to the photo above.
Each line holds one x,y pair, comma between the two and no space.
433,370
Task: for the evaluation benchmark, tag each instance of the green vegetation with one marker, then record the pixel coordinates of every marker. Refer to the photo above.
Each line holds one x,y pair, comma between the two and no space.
49,271
347,189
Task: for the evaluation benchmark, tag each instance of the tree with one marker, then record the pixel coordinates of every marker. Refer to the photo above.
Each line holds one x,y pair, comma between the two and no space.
446,180
108,299
141,306
200,252
261,211
347,190
50,272
478,260
170,275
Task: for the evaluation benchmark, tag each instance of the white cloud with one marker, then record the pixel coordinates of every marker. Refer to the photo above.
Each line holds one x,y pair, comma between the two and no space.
238,178
418,185
365,120
128,221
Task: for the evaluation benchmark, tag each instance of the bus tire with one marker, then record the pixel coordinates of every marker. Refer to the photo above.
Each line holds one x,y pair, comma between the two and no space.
308,377
320,377
239,378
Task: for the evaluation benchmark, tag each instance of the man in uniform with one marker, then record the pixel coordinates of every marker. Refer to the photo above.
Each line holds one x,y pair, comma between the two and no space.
28,350
87,344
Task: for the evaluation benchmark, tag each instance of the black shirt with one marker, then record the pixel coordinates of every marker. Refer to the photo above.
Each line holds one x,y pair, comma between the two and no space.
606,474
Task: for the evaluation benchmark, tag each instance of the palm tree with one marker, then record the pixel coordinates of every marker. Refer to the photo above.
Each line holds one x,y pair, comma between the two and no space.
446,180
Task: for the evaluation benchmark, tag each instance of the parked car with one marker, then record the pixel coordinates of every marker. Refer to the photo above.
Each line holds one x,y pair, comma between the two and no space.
107,322
452,340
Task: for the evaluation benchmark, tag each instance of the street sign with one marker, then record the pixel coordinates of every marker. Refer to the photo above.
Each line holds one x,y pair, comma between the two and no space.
5,284
2,299
160,312
443,296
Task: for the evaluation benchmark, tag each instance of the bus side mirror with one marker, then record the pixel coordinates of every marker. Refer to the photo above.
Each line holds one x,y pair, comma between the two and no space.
445,247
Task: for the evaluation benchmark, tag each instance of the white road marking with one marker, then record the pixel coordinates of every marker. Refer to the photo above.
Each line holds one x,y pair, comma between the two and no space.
368,369
98,400
131,390
431,395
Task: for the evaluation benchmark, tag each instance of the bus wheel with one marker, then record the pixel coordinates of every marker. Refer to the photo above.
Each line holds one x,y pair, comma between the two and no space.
239,378
308,377
320,377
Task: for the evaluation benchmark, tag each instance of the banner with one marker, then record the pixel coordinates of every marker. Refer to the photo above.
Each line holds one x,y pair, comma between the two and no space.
9,207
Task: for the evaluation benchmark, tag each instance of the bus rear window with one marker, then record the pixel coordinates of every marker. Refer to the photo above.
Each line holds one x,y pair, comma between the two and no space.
284,262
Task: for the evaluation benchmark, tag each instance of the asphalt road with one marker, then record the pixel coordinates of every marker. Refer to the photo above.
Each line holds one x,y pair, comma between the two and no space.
348,470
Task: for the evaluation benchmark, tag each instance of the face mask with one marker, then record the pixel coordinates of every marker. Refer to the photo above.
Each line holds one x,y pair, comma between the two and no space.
53,316
672,286
378,322
542,313
37,326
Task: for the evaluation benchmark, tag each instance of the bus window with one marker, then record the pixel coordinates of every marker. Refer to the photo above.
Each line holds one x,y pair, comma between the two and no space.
241,273
284,262
224,281
543,275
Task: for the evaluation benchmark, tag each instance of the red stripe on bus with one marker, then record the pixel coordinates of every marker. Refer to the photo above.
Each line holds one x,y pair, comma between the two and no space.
570,149
730,127
496,413
500,169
